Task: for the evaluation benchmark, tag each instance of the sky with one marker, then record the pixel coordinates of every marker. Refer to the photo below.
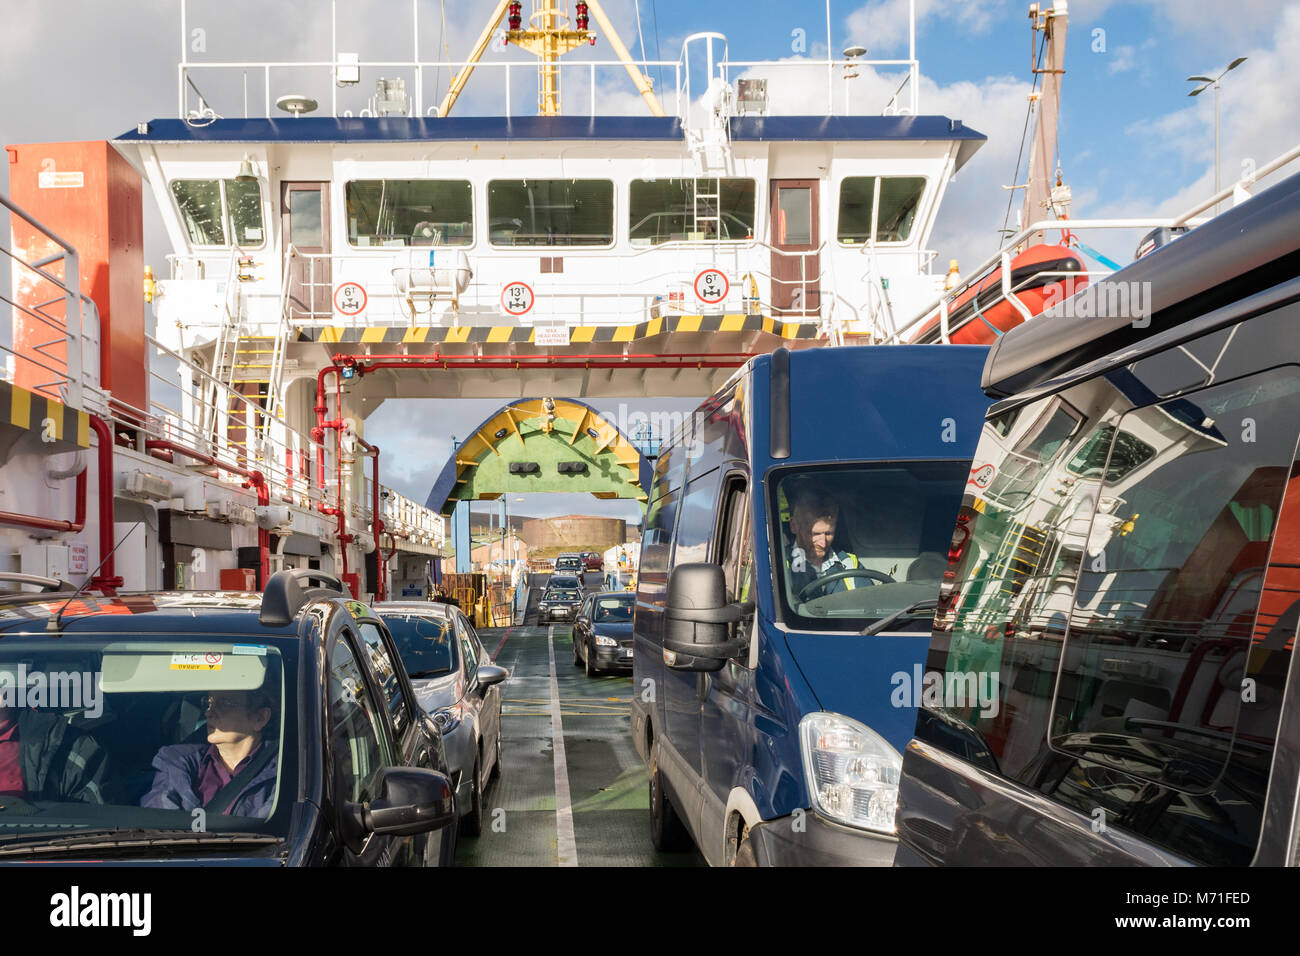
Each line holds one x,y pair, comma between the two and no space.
1132,142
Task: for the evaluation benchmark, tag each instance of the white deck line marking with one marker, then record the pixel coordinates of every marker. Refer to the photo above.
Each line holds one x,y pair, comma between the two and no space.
566,847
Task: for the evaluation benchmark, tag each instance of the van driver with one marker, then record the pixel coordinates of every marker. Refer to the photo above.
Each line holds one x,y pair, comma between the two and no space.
812,556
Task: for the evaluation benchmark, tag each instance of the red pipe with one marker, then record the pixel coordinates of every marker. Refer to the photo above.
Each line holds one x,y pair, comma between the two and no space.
256,481
106,581
158,444
376,523
318,436
53,524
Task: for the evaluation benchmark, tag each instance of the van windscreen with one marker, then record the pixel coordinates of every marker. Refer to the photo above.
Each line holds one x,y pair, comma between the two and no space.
861,542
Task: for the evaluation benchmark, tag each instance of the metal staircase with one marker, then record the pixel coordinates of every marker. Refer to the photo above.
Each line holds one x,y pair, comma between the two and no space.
247,364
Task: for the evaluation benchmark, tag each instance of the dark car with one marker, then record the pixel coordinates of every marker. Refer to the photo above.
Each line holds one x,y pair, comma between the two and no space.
1123,581
560,600
299,693
602,632
569,564
592,561
456,682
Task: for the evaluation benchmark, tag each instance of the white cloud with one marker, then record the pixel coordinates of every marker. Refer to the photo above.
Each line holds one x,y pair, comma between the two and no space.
1123,59
881,26
1204,19
1259,119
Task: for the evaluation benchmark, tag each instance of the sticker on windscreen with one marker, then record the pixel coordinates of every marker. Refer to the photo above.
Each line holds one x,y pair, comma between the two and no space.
258,649
209,661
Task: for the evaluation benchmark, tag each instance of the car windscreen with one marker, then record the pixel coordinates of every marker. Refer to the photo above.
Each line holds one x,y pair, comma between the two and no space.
612,610
425,642
564,594
858,543
565,583
180,733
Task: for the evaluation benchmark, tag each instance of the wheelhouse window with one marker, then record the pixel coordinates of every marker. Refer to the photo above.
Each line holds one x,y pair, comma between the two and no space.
551,212
667,210
216,212
409,212
885,204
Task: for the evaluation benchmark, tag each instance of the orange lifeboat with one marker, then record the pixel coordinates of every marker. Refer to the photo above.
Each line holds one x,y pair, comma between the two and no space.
980,308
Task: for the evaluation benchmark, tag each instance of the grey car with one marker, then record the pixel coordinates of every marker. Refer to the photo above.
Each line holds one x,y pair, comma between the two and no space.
455,681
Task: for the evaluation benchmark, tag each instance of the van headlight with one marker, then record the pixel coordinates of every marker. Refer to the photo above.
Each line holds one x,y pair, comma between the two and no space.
852,771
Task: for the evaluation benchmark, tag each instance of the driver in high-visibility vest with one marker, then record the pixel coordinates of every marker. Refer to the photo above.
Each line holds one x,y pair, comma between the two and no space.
812,556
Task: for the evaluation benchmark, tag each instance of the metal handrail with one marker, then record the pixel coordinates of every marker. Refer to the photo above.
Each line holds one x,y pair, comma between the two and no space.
572,289
70,285
416,101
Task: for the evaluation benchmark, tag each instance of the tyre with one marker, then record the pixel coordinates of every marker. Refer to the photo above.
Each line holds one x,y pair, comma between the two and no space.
667,832
745,852
496,762
471,824
577,658
590,669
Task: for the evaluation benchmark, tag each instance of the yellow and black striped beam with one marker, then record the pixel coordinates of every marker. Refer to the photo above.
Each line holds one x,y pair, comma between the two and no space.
45,416
578,335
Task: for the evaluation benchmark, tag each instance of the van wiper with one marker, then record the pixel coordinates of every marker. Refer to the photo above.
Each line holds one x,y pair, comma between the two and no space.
884,622
128,838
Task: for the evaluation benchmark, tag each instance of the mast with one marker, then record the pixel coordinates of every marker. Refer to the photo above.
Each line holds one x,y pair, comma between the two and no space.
1052,24
549,37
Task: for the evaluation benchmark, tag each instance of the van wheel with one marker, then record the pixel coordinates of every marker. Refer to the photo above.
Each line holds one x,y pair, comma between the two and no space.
667,832
471,824
745,852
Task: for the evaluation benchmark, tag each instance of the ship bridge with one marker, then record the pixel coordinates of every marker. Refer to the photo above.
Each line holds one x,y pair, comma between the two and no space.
509,256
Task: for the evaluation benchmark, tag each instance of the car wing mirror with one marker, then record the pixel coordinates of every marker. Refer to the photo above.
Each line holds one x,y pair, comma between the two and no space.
408,801
697,618
489,674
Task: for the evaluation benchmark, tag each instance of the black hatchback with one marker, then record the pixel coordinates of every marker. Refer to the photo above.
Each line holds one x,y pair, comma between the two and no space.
199,728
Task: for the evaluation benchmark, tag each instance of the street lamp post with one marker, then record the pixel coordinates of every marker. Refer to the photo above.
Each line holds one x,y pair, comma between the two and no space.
1206,83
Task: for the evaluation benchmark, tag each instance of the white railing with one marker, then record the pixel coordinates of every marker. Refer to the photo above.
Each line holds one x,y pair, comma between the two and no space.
55,365
316,275
204,114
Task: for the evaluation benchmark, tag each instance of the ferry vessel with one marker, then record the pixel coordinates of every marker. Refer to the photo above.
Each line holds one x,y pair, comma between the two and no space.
328,256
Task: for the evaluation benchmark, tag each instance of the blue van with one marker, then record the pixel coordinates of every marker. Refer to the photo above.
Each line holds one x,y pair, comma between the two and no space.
796,532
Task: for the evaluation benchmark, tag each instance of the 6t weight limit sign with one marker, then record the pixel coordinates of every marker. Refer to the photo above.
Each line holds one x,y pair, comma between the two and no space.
711,286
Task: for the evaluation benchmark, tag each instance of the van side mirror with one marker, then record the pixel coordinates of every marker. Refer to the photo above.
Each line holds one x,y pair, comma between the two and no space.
696,617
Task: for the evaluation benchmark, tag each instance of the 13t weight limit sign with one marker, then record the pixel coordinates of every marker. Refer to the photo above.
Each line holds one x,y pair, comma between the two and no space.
517,298
711,287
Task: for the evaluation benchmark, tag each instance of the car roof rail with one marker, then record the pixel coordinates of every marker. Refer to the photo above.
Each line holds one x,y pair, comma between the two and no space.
286,594
46,584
